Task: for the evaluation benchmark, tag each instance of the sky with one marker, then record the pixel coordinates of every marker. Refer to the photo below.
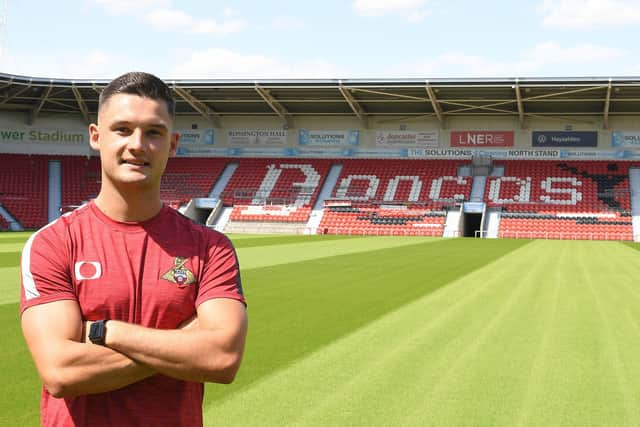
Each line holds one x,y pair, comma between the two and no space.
332,39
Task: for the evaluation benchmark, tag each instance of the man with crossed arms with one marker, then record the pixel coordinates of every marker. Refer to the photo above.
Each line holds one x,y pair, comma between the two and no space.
127,306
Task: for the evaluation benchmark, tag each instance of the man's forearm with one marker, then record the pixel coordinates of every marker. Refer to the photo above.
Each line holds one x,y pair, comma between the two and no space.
192,354
85,368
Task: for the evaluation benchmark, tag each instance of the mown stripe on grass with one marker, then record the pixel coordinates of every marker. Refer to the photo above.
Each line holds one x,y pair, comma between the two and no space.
517,342
9,259
11,247
20,403
297,308
14,237
282,240
369,376
593,349
9,285
269,256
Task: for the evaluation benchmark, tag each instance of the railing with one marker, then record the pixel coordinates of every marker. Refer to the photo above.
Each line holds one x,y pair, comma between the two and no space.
564,235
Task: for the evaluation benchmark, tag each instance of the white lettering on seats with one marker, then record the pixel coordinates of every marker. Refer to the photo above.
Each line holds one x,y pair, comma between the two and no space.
524,190
371,190
306,188
436,187
575,196
392,188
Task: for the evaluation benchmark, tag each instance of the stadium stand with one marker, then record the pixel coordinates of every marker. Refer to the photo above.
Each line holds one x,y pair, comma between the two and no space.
382,221
4,225
188,178
536,198
184,179
563,199
80,179
275,190
23,188
396,197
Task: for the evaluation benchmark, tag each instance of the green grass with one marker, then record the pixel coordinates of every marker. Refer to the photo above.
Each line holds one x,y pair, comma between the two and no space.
411,331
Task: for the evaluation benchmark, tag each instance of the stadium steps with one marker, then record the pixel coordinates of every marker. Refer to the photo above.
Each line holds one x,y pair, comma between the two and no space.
55,189
493,223
478,188
452,223
327,189
497,170
224,179
223,219
11,221
464,170
634,186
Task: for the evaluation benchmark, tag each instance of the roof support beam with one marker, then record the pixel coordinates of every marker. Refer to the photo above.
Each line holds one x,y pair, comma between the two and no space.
434,103
607,103
81,104
35,111
520,106
204,110
487,107
277,108
355,106
14,95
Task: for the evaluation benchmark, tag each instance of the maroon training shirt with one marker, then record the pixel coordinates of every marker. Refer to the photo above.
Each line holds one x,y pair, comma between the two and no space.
154,274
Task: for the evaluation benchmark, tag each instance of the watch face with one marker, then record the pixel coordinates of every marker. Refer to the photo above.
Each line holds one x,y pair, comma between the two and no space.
97,332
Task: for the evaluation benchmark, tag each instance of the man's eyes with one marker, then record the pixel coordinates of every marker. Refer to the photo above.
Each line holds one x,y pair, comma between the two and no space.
125,131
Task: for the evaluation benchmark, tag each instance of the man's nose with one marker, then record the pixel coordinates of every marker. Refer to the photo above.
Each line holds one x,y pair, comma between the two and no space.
136,140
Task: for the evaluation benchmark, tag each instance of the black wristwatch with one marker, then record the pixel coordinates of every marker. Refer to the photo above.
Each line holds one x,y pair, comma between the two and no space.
97,332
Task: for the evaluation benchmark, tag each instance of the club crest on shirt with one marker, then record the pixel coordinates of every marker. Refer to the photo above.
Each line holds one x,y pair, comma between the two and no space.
179,274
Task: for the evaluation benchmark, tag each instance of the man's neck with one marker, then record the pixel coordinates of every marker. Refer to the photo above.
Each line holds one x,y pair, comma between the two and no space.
131,206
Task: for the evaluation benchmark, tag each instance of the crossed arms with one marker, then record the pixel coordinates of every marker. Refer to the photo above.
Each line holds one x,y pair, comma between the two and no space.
207,349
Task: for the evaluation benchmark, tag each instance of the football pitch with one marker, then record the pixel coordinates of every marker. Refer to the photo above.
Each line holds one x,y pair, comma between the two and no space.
409,331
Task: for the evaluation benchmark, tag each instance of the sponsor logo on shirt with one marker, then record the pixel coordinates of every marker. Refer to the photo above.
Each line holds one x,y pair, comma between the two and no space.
179,274
88,270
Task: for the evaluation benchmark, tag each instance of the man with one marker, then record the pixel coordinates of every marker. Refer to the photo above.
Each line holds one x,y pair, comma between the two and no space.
127,306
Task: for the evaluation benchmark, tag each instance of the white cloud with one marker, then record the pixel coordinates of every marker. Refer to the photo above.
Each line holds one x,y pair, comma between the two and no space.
162,16
287,23
230,12
177,20
118,7
543,59
95,64
226,64
584,14
412,10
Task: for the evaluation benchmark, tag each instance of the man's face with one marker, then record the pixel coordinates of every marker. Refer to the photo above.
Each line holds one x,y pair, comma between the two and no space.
134,139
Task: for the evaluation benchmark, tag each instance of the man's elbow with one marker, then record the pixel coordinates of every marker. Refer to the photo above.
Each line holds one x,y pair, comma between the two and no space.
57,387
226,369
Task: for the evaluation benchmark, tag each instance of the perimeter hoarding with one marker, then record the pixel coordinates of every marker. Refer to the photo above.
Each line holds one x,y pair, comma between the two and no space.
629,139
196,136
564,139
328,137
481,138
265,137
406,138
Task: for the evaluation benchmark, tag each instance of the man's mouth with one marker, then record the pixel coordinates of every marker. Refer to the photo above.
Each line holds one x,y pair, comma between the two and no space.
134,162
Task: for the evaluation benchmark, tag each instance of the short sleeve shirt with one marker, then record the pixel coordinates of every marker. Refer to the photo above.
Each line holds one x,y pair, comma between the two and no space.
155,274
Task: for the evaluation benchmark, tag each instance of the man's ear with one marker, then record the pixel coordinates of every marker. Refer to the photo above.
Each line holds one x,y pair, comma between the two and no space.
173,147
94,136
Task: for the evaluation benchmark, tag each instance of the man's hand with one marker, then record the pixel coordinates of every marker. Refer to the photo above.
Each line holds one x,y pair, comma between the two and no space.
206,348
68,365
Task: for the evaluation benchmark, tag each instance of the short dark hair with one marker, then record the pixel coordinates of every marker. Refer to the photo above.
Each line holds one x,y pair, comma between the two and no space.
142,84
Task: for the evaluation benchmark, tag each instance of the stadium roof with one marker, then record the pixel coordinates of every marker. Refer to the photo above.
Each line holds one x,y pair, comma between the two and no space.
403,98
